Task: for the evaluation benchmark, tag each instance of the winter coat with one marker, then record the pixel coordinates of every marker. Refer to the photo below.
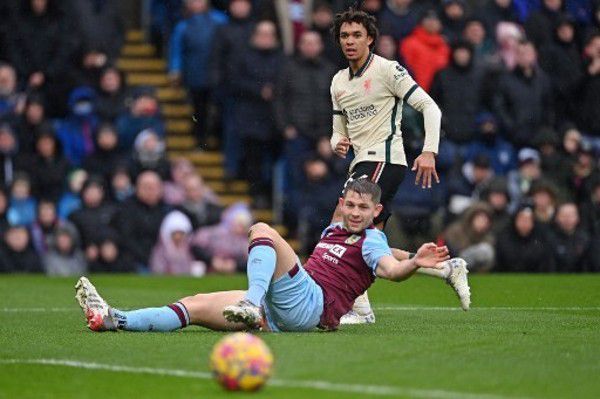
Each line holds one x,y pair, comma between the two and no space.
425,54
458,117
570,251
166,257
129,126
100,25
395,24
255,69
515,253
191,46
228,40
303,99
73,263
93,223
26,261
524,104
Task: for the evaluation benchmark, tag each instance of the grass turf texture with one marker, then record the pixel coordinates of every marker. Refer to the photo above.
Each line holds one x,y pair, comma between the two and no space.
502,348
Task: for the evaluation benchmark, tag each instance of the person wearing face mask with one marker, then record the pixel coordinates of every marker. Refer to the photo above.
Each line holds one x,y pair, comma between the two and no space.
75,131
501,153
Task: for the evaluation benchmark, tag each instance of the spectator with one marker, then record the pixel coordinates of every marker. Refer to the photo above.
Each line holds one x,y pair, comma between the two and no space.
30,123
100,25
508,37
110,257
121,186
472,239
500,152
398,18
476,35
496,195
544,197
560,59
75,132
197,205
224,247
540,24
11,101
87,64
42,230
4,225
139,218
303,101
65,258
22,205
172,254
453,19
143,113
386,48
467,187
425,51
93,219
590,218
164,15
521,246
47,166
9,155
524,99
111,94
588,90
149,153
322,20
189,52
181,169
555,166
229,39
107,156
38,44
495,11
258,67
461,79
569,243
70,200
583,173
17,254
520,180
319,192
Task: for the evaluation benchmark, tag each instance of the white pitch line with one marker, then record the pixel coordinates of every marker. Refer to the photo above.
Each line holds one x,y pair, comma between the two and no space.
457,309
381,308
381,390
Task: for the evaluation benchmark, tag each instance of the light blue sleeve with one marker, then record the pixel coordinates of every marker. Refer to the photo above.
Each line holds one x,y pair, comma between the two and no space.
176,47
375,247
331,226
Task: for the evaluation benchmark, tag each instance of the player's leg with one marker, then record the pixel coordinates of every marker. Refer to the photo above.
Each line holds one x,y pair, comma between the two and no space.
203,309
269,258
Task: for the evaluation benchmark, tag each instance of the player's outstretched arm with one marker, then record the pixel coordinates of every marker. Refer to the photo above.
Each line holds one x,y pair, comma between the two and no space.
428,256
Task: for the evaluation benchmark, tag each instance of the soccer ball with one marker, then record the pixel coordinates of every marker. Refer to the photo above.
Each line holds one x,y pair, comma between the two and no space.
241,362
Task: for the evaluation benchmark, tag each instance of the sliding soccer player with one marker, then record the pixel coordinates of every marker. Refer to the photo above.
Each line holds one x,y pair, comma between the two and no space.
283,295
367,98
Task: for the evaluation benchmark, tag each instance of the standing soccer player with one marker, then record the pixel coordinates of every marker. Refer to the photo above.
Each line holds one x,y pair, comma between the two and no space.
367,102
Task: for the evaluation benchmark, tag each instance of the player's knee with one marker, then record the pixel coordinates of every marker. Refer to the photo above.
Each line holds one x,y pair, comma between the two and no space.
261,230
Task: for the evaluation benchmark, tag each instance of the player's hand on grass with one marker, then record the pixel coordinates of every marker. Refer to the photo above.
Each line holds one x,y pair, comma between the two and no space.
425,167
429,255
342,147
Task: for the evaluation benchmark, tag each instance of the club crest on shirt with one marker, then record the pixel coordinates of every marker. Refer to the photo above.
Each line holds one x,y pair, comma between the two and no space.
352,239
367,86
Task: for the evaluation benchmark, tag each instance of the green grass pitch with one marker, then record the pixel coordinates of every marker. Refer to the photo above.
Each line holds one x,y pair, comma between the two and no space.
526,337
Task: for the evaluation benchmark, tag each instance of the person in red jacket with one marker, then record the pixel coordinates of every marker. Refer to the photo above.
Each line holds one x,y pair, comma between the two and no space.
425,50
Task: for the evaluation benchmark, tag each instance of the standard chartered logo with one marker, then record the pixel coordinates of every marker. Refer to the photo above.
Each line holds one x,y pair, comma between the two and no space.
364,111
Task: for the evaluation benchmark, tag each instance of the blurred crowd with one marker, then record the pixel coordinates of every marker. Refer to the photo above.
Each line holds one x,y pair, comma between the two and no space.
87,186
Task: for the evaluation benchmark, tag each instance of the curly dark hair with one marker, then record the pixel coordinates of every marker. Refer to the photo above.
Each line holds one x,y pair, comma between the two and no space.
360,17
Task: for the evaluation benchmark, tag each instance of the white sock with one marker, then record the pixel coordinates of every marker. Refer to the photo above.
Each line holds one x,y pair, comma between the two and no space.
362,306
439,273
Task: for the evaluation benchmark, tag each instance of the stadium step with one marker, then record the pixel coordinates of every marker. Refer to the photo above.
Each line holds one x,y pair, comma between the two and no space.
199,157
211,172
147,79
180,142
171,94
177,111
135,36
179,126
138,50
232,199
141,65
222,187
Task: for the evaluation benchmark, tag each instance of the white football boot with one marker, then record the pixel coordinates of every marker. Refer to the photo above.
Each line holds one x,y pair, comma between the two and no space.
244,312
361,312
96,310
457,279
